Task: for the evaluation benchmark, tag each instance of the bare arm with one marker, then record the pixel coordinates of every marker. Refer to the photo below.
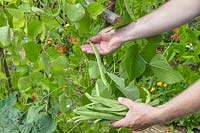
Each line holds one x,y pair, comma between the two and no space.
172,14
188,102
141,116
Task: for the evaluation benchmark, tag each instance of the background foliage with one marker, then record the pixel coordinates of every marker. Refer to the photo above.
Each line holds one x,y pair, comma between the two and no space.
44,75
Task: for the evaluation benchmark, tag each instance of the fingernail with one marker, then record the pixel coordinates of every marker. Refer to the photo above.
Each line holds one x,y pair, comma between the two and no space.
119,99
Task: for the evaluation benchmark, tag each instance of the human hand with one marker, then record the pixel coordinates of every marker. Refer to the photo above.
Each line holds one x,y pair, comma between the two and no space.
139,117
105,41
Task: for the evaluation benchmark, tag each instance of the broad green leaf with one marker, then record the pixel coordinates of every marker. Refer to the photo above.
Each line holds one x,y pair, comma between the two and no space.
62,103
36,10
32,51
44,124
59,64
75,12
43,62
24,8
138,67
2,75
9,101
24,83
93,70
84,25
149,51
132,91
11,1
2,20
22,70
134,63
102,90
35,27
18,18
163,71
5,38
118,81
33,113
95,9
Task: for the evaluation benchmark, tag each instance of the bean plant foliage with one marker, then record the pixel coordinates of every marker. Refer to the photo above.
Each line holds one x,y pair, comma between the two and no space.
45,76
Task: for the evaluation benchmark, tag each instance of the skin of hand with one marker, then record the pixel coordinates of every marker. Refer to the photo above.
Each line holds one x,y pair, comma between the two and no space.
106,42
139,117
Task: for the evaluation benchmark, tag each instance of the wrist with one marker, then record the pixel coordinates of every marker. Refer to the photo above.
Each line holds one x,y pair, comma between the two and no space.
158,116
127,33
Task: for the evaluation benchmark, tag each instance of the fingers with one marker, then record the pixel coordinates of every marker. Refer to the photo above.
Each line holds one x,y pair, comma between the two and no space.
120,123
127,102
95,39
88,49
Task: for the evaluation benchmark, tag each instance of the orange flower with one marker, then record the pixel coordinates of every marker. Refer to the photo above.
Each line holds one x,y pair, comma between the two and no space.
75,40
175,31
57,46
63,50
175,37
70,39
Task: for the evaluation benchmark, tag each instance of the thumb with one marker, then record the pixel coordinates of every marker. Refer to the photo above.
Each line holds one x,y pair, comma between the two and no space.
127,102
120,123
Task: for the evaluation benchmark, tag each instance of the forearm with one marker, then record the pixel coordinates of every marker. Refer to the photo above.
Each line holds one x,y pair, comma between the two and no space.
188,102
172,14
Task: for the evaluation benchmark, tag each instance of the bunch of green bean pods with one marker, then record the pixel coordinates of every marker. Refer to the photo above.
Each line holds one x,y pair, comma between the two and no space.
100,109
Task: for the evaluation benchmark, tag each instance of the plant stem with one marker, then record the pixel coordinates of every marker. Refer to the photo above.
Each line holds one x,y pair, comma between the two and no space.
5,70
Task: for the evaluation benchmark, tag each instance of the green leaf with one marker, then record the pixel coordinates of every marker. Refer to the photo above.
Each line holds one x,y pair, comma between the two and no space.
75,12
5,38
24,83
134,63
33,113
144,94
93,70
84,25
118,81
102,90
22,70
32,51
18,18
44,124
9,101
2,19
131,91
95,9
35,27
62,103
149,51
163,71
59,64
25,8
2,75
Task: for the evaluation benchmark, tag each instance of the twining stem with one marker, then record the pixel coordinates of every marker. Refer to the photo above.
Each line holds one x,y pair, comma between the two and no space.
5,70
